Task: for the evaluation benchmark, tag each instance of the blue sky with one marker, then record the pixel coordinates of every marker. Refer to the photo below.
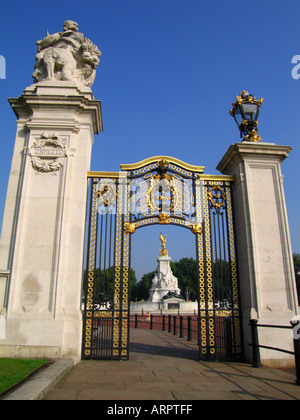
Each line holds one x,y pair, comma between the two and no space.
169,71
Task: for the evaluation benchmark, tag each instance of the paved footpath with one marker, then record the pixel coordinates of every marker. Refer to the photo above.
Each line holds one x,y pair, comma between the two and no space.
165,367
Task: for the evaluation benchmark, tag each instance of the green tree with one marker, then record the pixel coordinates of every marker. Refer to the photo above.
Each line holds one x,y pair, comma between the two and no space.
186,271
104,284
140,291
187,274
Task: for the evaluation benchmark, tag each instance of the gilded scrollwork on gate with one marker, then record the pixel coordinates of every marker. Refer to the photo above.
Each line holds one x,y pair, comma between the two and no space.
201,274
125,274
209,304
130,227
164,190
107,194
217,196
118,274
197,228
89,303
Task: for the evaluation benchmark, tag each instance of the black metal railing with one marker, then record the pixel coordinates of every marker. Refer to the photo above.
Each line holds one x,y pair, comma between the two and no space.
185,326
101,338
256,360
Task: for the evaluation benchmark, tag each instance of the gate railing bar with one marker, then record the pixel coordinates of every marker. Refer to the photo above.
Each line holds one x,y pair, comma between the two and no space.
190,328
256,361
165,321
187,327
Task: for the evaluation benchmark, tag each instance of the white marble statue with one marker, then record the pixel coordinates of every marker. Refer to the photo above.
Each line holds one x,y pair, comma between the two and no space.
67,56
164,281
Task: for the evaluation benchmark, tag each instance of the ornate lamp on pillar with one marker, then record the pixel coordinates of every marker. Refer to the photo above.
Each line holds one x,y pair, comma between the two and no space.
265,260
245,112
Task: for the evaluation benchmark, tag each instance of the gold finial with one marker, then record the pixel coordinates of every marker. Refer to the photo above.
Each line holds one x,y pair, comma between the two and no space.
163,163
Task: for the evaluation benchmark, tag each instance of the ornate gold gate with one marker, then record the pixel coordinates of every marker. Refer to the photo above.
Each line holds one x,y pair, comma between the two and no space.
159,190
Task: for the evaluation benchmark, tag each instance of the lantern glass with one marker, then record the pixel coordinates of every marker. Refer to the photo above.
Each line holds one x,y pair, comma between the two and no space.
238,116
250,111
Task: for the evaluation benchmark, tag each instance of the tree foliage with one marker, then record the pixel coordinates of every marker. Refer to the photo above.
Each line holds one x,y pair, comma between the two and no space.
141,289
186,272
104,284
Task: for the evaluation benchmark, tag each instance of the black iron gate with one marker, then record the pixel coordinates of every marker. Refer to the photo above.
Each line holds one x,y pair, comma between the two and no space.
159,190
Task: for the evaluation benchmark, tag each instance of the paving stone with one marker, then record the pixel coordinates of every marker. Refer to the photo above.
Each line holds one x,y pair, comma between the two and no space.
159,371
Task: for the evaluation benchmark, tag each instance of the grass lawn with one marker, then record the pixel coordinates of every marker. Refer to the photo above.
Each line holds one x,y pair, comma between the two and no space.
13,371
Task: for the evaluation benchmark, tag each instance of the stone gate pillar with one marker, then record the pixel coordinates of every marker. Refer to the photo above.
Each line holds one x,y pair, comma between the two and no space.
266,272
41,250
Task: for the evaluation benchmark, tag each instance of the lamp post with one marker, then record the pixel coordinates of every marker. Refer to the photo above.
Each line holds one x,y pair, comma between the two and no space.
245,111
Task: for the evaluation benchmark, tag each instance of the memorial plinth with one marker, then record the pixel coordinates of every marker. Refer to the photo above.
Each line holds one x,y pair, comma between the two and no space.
164,293
164,281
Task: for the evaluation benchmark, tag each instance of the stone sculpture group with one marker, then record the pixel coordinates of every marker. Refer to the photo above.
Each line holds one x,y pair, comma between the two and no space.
67,56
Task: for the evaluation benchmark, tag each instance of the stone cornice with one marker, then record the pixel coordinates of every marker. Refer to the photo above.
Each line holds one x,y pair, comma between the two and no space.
239,151
53,99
